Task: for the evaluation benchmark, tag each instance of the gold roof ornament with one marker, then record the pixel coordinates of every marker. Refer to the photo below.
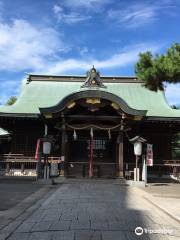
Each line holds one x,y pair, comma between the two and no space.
71,105
93,79
93,100
48,115
137,118
115,106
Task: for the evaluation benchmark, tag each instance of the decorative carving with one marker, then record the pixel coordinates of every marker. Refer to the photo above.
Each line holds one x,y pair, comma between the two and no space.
93,100
93,79
48,115
71,105
115,106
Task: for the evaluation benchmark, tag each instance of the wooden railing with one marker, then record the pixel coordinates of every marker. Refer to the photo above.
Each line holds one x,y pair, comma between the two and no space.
172,163
15,157
22,166
17,165
169,168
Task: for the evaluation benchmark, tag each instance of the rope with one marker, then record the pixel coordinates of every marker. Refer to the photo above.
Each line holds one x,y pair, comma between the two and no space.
92,126
97,127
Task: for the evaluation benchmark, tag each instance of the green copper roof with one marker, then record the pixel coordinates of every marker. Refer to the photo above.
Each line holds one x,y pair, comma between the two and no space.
40,94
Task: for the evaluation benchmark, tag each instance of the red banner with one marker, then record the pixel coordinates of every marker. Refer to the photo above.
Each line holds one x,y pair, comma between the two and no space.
91,159
37,149
149,155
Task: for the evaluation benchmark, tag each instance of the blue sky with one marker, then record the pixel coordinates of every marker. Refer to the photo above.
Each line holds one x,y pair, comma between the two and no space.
69,36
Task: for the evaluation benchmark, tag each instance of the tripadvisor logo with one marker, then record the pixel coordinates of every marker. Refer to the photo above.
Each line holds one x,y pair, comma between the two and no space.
139,231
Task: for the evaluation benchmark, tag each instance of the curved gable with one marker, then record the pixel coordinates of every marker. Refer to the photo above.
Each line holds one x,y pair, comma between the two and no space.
93,94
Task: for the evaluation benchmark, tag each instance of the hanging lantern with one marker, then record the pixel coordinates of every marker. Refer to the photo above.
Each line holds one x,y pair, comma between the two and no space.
75,135
46,147
109,133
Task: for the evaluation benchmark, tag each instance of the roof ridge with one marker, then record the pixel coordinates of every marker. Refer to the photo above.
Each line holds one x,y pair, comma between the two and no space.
80,78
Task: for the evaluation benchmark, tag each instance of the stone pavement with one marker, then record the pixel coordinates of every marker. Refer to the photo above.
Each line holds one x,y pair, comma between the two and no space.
166,196
15,191
92,210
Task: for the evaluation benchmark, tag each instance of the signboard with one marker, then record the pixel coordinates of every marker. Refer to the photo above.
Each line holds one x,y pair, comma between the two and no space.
149,155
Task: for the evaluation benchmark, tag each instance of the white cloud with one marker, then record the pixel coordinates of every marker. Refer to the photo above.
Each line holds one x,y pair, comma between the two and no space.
86,4
125,57
24,46
69,18
139,14
75,11
57,9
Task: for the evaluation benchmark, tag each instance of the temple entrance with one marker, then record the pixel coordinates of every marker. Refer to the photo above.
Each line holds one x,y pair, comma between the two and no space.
95,156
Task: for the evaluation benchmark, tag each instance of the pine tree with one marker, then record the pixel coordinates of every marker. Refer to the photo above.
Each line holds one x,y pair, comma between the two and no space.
157,70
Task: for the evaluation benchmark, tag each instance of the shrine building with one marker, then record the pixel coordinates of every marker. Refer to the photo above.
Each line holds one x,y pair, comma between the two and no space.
89,117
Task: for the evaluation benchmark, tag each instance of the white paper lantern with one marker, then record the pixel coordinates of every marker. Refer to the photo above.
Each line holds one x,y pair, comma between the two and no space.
138,148
46,147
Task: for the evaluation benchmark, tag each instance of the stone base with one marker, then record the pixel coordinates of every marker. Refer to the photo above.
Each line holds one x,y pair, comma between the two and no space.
61,173
136,183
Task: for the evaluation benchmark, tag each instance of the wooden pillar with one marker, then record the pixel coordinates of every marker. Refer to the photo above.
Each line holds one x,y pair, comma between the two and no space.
120,158
63,148
91,159
22,168
7,167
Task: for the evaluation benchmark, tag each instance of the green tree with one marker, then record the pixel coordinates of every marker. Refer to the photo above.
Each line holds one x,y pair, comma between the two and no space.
175,107
11,100
157,70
